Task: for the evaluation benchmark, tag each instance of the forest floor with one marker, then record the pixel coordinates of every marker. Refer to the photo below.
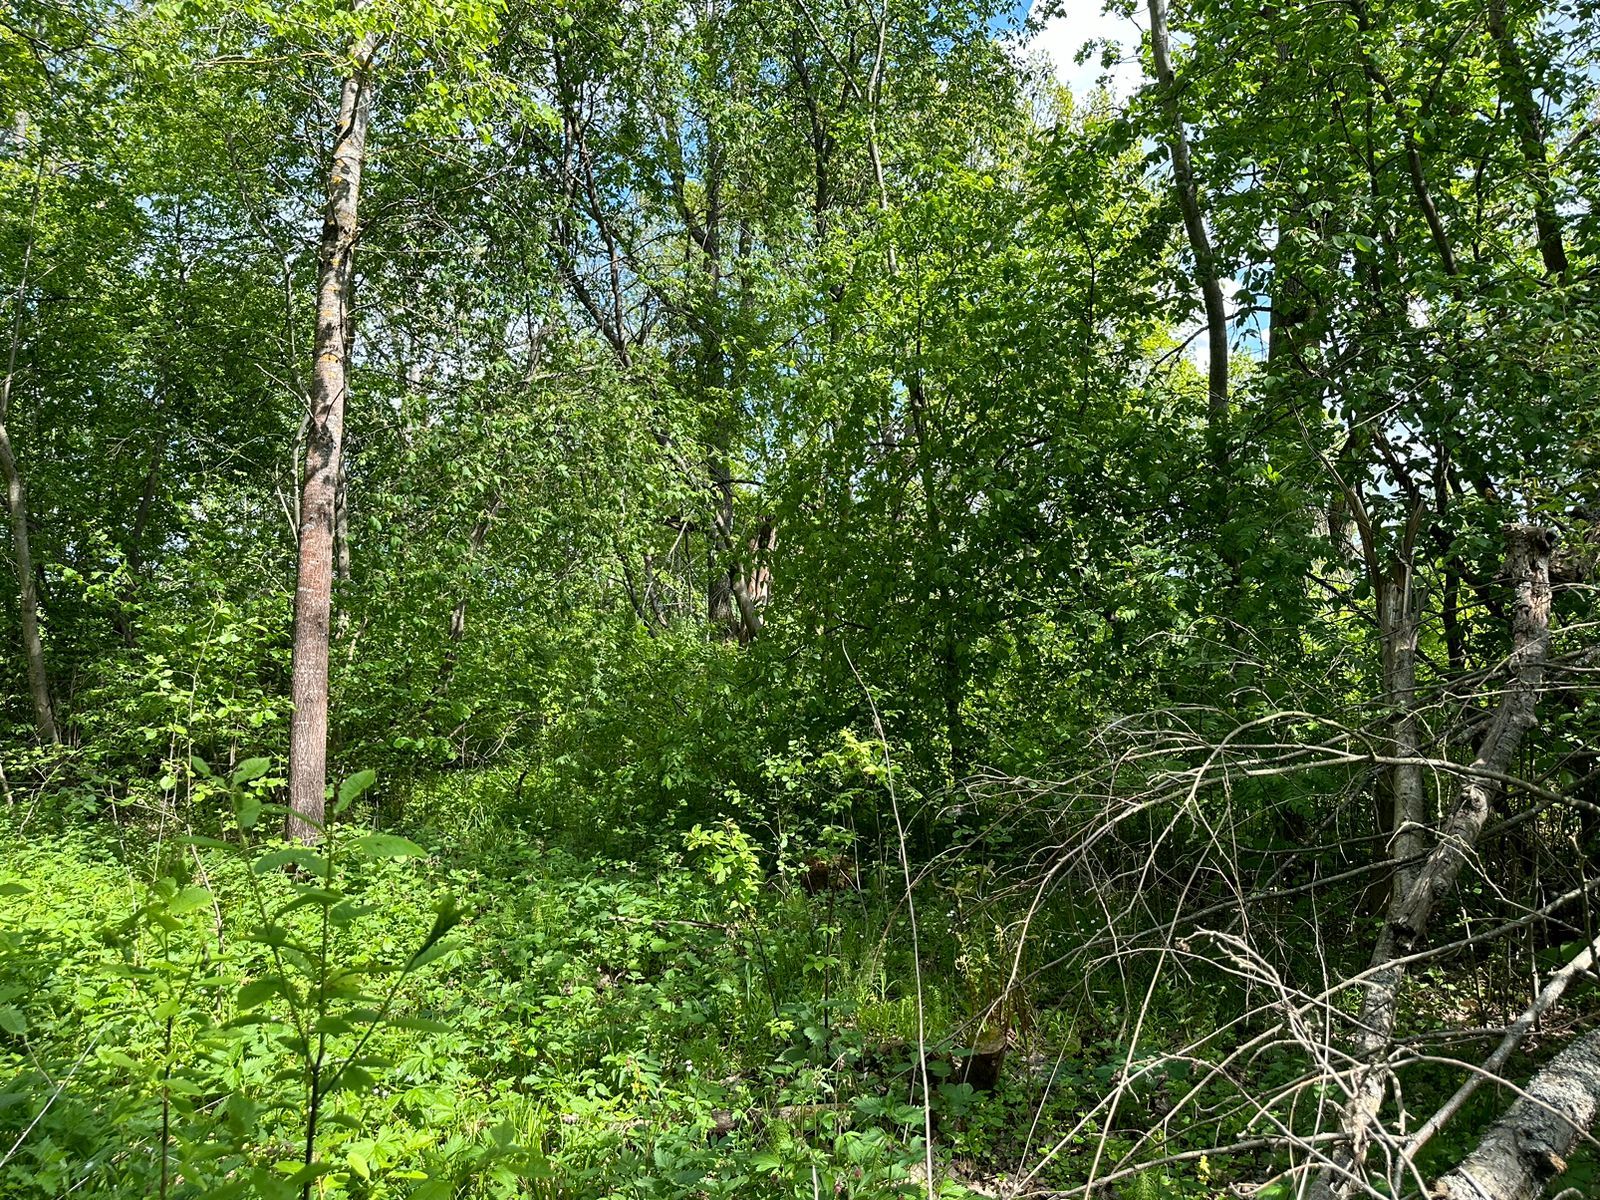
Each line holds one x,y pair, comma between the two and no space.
677,1026
500,1016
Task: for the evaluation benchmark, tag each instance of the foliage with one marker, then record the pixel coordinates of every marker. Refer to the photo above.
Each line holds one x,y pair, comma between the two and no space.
818,637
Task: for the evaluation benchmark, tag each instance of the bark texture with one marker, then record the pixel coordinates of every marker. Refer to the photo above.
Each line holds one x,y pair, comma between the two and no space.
1514,1037
1528,568
1527,1148
1398,621
313,601
1528,551
44,718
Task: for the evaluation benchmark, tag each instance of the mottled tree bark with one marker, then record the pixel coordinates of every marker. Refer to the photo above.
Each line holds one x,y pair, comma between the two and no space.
1528,568
1555,987
308,732
44,718
1399,624
1528,1147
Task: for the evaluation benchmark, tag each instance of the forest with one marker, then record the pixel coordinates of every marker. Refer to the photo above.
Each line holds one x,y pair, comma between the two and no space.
787,599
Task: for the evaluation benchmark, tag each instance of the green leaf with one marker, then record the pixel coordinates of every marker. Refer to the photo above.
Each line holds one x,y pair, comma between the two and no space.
250,768
352,788
300,1175
259,991
247,809
348,912
307,860
388,845
12,1020
326,897
189,899
273,935
429,953
421,1024
208,843
354,1079
446,916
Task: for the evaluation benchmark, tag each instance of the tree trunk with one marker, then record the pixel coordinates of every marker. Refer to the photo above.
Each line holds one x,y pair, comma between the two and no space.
1205,266
458,614
952,676
341,543
1528,567
720,612
308,732
1399,625
1528,1147
1518,91
728,591
44,717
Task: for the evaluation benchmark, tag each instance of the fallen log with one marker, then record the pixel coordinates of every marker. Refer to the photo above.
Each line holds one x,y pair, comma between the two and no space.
1527,1149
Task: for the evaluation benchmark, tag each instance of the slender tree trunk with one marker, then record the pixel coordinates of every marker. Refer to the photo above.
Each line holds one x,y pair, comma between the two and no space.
1292,303
308,732
720,613
952,676
458,614
1518,91
1218,446
1399,625
758,583
727,592
133,552
1205,266
1528,568
44,717
1414,165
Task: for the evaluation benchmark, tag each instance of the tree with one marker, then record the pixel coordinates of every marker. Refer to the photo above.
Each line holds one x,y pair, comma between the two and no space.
17,508
319,497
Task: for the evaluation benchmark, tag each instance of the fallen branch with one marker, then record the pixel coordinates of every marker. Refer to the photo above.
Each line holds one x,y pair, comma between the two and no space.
1528,552
1527,1148
1548,995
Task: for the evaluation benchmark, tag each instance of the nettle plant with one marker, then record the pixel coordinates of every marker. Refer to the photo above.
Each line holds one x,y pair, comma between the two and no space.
280,1049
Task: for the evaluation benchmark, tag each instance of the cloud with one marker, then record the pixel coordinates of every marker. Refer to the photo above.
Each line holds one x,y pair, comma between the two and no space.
1078,21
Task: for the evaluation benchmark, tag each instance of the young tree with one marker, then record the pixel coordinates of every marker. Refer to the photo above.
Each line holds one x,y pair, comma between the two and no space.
17,512
319,497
